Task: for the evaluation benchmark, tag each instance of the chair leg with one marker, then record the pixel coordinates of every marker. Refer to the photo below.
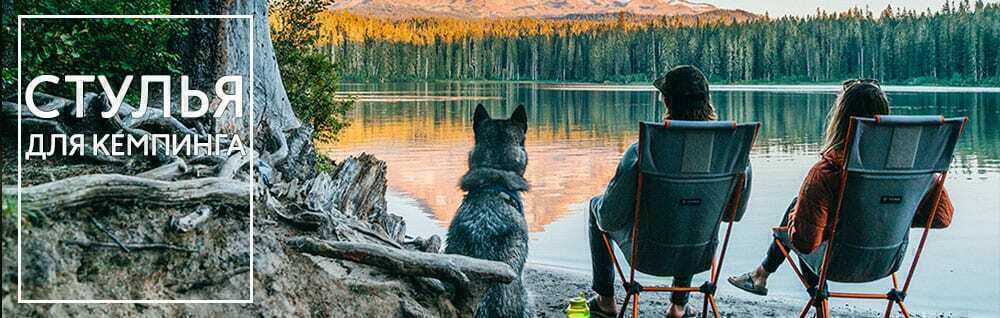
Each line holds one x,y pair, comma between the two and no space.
888,309
715,307
805,311
902,308
825,304
635,306
621,311
791,262
704,307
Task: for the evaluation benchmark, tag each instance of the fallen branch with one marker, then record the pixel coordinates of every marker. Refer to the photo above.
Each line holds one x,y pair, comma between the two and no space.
109,234
465,273
132,246
374,235
94,189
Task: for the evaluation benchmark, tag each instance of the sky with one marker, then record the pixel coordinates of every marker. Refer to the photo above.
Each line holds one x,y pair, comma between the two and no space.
778,8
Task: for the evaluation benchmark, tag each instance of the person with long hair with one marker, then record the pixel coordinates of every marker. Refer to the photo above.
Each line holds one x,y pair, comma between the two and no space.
685,97
807,218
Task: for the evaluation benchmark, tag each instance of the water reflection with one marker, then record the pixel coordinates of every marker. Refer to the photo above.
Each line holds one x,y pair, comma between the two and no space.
577,135
575,138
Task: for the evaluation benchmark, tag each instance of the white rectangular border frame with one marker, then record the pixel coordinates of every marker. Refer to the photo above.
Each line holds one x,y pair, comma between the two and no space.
20,18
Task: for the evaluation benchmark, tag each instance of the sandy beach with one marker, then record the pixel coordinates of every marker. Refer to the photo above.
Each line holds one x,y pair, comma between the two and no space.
551,288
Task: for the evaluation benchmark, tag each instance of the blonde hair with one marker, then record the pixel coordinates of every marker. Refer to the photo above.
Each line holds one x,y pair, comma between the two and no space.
858,100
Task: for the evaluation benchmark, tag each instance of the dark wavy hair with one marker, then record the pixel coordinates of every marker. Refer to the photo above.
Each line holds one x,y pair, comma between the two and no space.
697,106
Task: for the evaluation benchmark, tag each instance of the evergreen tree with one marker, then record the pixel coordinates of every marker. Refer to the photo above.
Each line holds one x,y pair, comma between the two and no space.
959,44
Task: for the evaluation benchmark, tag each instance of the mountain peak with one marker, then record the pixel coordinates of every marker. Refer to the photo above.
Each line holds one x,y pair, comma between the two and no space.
479,9
657,7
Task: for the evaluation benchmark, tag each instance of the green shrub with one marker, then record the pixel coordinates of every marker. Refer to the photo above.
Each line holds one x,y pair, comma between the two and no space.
9,206
10,212
324,164
311,82
310,77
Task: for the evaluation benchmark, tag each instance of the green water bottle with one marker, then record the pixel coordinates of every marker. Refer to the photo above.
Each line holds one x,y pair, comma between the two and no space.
578,307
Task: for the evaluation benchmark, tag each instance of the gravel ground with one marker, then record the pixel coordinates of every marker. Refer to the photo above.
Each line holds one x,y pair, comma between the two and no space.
551,288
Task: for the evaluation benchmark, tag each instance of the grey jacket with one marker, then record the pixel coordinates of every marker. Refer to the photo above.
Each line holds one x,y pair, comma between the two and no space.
614,209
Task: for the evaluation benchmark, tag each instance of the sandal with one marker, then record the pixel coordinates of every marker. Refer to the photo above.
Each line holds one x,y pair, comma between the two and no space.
745,282
595,310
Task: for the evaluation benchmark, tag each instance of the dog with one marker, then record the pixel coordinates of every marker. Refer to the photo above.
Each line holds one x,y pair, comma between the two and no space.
490,222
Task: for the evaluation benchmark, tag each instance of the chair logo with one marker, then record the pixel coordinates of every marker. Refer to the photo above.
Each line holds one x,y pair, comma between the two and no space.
891,199
690,202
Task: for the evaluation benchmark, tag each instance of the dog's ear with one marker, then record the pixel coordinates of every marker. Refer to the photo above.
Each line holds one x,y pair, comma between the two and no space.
480,116
520,117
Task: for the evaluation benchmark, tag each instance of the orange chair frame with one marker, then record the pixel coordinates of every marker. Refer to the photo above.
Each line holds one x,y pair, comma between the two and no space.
633,288
819,297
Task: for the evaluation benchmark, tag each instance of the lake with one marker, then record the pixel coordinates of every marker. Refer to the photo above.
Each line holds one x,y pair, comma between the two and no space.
577,133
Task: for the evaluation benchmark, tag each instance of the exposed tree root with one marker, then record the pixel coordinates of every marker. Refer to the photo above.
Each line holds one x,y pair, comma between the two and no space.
92,123
308,221
109,234
132,246
470,276
213,280
234,163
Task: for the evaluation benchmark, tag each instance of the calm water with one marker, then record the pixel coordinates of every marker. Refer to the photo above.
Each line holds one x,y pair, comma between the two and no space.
577,134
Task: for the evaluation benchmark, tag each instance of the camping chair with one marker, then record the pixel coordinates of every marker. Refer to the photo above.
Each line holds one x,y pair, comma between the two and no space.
892,164
691,176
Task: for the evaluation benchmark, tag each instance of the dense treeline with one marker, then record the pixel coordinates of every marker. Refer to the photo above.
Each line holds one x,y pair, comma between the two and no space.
959,44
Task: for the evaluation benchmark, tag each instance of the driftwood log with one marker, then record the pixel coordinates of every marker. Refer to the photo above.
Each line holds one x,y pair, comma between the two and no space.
456,269
94,189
